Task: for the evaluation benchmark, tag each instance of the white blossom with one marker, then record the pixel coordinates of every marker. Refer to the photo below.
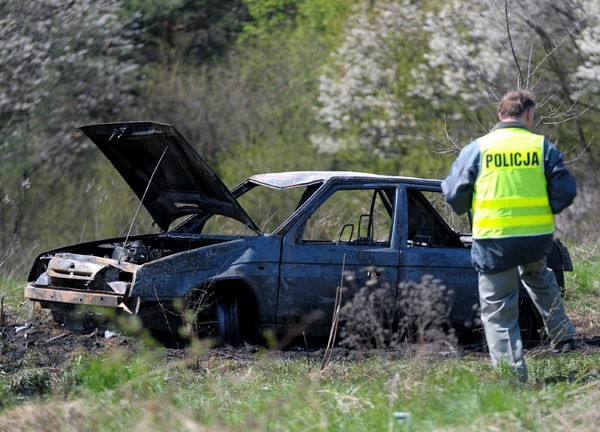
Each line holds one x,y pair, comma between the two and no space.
479,48
587,76
62,64
26,184
7,200
354,102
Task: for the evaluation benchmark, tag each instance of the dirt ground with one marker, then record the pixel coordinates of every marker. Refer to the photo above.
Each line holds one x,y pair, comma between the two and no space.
43,343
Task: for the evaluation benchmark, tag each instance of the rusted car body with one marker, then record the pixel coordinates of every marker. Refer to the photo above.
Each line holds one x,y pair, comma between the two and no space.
278,270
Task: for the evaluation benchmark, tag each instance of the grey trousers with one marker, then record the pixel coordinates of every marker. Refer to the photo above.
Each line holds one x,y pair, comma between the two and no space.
499,299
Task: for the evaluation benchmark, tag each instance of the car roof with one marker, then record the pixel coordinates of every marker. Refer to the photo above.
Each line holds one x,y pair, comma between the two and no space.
290,179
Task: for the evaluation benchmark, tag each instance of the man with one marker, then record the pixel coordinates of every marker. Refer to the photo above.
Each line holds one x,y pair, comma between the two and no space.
514,181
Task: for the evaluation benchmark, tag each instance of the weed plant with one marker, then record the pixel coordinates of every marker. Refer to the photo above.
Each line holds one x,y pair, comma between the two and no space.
384,317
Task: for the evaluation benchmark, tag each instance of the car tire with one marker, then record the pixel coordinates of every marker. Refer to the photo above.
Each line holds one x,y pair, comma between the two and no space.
228,320
59,314
530,323
70,318
560,280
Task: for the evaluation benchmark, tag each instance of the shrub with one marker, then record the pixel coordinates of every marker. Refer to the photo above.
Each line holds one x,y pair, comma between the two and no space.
382,317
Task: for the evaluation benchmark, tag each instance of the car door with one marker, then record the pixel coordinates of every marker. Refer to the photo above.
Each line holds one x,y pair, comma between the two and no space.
344,240
433,247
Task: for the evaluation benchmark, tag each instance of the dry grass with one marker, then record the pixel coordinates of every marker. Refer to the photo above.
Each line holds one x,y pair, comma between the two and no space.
52,416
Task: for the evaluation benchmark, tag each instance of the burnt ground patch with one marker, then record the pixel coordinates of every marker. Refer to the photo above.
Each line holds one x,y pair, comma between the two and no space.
43,344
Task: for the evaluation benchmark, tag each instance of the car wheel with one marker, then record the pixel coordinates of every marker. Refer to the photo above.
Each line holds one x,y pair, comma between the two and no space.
228,319
530,323
59,314
69,317
560,280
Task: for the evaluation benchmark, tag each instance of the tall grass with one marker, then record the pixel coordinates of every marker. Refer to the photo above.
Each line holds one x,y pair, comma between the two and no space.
147,390
13,306
583,283
141,387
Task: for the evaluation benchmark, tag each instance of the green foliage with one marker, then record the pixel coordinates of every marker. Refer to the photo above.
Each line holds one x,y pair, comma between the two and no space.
258,85
87,201
252,111
11,292
583,283
585,278
270,17
564,368
30,382
241,81
151,11
192,31
464,396
66,64
266,393
131,371
372,119
415,158
278,72
13,307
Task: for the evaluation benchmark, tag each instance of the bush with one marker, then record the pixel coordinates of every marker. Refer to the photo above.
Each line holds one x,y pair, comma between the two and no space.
382,317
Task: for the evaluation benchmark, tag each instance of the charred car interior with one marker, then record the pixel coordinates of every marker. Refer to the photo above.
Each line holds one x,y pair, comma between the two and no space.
265,255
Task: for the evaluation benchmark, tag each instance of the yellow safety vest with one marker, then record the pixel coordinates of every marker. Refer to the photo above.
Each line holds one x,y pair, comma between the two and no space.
510,198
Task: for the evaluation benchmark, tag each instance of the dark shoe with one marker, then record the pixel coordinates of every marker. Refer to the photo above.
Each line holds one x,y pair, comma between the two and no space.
565,346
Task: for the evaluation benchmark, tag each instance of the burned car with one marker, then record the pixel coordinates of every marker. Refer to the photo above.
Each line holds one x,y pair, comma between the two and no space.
268,255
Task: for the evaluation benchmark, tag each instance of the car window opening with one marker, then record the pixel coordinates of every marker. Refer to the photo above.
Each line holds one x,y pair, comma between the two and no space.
359,217
426,227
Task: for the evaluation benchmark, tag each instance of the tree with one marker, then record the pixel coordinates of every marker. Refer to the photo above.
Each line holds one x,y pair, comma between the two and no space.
196,32
587,76
546,46
502,44
354,100
251,110
64,63
409,83
368,122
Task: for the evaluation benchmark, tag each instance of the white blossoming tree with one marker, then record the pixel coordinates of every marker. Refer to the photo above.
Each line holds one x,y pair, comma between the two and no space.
355,103
415,79
62,64
404,65
480,48
587,76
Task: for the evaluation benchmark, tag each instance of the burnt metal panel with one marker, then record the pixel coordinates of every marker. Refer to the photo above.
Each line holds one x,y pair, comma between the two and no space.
177,275
164,171
452,266
70,296
311,274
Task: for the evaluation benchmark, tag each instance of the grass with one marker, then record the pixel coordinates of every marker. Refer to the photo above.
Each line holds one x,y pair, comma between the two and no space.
143,387
13,306
583,287
146,391
583,283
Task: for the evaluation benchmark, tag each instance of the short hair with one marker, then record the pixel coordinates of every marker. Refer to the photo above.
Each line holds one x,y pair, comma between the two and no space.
516,102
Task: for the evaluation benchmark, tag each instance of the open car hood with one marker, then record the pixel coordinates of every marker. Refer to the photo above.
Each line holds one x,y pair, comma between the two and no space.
181,182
